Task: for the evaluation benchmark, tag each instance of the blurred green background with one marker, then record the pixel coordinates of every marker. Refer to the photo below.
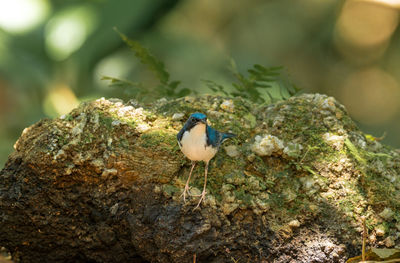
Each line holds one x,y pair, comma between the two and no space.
53,53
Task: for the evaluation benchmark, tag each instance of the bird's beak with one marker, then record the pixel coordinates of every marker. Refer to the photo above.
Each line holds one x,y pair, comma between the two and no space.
203,121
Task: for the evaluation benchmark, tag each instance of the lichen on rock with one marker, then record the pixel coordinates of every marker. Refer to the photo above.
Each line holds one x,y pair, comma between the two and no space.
103,184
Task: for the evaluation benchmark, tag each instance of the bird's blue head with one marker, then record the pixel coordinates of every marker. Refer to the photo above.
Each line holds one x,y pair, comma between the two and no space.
194,119
198,116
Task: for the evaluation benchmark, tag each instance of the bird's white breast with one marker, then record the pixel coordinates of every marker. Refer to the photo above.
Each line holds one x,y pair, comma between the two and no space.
194,144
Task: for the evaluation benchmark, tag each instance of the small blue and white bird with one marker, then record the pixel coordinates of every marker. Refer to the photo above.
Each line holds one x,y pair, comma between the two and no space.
199,142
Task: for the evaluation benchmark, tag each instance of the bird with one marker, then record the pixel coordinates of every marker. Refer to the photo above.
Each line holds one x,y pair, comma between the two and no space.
199,142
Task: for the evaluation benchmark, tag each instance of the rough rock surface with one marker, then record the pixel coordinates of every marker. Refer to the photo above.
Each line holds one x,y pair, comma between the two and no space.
103,184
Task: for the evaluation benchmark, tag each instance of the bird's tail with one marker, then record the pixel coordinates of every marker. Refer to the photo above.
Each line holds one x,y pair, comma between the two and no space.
227,136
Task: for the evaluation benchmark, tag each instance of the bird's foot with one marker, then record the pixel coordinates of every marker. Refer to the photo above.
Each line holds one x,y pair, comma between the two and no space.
203,197
186,191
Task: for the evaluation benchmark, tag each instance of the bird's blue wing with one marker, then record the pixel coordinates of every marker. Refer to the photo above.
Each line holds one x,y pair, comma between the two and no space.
213,137
227,136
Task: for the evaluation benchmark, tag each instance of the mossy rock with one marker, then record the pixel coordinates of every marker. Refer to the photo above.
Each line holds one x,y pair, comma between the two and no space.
104,184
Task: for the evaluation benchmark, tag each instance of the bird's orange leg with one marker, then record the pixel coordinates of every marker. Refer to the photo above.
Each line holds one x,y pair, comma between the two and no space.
187,184
203,194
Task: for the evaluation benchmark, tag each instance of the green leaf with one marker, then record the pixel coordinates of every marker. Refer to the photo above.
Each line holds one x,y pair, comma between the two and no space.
378,255
354,151
115,82
260,78
255,85
215,87
155,65
174,84
262,85
385,253
183,92
165,88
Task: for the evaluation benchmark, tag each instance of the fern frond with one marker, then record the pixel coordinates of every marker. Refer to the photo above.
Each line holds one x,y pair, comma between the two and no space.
166,88
146,58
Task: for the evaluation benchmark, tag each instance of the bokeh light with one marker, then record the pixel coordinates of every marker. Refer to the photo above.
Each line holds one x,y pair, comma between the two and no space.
68,30
391,3
118,65
364,23
59,100
371,95
364,29
17,16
